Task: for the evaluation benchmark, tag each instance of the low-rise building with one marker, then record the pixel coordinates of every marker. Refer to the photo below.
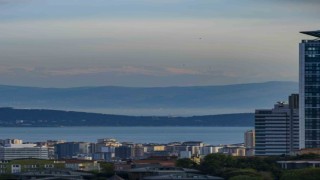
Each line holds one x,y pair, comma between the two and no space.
186,176
82,165
299,164
234,150
28,165
141,173
210,150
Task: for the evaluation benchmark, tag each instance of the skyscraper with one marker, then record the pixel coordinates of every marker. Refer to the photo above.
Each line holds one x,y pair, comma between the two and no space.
277,129
309,90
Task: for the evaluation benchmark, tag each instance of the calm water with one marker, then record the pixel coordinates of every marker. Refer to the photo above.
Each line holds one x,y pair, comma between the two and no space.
210,135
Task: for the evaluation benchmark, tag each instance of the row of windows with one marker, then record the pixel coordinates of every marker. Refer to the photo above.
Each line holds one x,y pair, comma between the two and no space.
312,52
312,44
312,68
314,116
312,55
312,144
312,79
312,111
312,123
311,99
312,65
312,75
312,48
312,126
312,94
312,58
313,131
312,83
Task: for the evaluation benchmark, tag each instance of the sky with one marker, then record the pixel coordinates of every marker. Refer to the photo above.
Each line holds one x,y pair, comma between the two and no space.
148,43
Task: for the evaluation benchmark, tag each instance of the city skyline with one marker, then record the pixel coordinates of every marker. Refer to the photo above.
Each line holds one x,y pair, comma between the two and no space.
151,43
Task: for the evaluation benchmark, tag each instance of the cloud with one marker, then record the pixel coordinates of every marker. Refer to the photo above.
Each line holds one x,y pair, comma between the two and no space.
181,71
124,70
3,2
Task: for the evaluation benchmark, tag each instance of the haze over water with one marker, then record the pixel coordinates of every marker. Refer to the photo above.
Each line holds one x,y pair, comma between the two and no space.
209,135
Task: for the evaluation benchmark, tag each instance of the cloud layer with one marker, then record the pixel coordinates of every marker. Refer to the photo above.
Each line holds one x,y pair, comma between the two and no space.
151,43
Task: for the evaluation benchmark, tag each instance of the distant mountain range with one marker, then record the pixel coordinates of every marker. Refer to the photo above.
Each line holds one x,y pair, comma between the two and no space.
185,101
10,117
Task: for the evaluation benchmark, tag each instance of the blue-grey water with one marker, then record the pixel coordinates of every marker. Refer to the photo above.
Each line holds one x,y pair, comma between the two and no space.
209,135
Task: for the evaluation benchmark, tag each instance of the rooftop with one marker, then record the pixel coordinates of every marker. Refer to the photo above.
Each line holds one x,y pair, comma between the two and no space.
312,33
186,176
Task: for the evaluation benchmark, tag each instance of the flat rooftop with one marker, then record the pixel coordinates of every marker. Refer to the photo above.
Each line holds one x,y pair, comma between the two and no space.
312,33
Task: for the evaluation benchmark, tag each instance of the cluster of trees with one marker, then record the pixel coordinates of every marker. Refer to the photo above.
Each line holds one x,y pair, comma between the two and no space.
250,168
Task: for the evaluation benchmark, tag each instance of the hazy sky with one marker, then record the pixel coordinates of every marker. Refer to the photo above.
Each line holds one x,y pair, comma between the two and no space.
63,43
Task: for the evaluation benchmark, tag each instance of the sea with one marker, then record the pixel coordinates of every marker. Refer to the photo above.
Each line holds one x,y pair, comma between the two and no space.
209,135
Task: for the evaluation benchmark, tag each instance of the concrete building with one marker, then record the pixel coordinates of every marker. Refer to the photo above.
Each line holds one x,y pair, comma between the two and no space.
22,151
10,141
309,91
299,164
210,150
277,129
69,149
234,150
124,152
249,142
185,154
82,165
28,165
194,146
141,173
186,176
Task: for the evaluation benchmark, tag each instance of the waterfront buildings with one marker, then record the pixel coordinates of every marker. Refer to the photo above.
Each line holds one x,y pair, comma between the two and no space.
20,151
277,129
10,141
70,149
125,152
309,91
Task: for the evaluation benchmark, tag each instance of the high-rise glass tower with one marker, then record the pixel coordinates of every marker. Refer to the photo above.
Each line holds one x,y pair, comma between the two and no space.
309,91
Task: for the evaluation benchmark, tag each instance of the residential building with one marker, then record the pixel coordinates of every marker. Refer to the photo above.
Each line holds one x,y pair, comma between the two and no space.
233,150
277,129
185,154
210,149
309,91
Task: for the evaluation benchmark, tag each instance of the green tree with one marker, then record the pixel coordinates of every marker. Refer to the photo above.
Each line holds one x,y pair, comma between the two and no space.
308,173
216,164
245,177
186,163
107,168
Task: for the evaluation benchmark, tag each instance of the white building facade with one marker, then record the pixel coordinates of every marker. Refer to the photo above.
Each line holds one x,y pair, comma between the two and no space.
23,151
277,129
